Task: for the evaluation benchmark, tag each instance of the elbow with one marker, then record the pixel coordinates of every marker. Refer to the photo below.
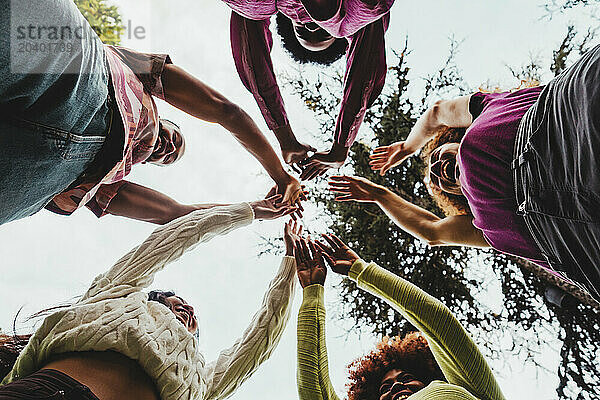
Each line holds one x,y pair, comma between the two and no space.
228,113
435,114
431,236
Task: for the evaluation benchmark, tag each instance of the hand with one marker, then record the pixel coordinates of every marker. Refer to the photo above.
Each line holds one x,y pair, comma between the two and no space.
271,208
310,266
292,150
293,194
338,255
355,188
291,234
295,153
386,157
319,163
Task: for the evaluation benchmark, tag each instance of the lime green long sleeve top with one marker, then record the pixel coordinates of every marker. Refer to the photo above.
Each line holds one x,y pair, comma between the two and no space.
468,376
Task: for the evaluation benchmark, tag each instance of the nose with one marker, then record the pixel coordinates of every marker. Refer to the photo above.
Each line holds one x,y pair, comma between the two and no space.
397,387
436,168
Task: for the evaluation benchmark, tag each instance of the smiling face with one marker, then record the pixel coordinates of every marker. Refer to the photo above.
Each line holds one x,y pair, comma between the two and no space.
398,385
443,168
183,312
312,37
170,145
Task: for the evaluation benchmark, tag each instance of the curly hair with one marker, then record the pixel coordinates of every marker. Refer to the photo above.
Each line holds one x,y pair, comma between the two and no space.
301,54
411,354
450,204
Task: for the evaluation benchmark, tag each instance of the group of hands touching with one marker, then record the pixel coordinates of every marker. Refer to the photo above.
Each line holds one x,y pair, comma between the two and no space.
313,256
286,199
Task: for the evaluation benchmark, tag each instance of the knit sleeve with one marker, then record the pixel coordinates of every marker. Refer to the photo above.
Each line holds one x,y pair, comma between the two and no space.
313,369
237,363
457,355
136,269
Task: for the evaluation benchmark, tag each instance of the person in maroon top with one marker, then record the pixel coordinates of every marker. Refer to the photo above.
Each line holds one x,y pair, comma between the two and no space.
318,31
515,171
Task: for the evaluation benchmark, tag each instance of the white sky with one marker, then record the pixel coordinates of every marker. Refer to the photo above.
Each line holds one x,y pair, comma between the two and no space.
47,259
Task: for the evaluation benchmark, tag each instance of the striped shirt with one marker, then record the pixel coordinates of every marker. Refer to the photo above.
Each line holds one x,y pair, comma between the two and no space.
136,78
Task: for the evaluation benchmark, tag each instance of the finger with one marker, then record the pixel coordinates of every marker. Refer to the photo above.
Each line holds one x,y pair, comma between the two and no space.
322,172
298,254
275,198
338,178
310,172
300,227
307,171
385,169
330,261
339,185
381,149
313,249
325,248
305,162
304,249
296,168
347,197
344,191
338,241
378,156
331,242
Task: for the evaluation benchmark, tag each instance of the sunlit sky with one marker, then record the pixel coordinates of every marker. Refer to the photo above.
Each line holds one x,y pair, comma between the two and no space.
48,259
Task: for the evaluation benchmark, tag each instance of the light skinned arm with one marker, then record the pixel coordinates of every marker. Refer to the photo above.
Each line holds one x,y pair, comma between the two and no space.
452,113
194,97
420,223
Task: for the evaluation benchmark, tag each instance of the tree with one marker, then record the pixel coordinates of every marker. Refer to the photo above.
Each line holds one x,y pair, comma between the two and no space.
457,276
104,19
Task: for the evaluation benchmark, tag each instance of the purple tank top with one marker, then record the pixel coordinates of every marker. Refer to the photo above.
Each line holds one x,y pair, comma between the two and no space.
485,158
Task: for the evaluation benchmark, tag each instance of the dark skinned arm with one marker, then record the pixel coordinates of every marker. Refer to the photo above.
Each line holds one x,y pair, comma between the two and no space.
192,96
145,204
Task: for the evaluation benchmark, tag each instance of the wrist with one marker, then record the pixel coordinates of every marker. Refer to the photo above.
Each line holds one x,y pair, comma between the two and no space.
380,194
285,135
339,152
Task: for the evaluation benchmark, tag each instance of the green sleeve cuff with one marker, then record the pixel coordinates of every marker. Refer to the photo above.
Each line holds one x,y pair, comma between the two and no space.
314,292
357,268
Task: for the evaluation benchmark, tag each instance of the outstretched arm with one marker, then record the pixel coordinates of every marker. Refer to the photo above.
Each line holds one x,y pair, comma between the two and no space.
452,113
422,224
236,364
191,95
145,204
455,352
364,80
457,355
136,269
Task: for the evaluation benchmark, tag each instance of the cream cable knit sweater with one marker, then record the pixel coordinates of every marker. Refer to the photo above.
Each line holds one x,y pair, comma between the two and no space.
115,315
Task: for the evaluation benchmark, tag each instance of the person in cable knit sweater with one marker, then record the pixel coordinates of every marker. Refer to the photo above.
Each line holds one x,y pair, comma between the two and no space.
116,344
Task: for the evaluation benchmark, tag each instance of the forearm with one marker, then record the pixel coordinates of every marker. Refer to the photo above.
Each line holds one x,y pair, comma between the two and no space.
136,269
236,364
424,129
313,370
413,219
192,96
454,350
247,133
144,204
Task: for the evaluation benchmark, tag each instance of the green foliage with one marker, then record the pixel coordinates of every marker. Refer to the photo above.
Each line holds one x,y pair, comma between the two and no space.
104,19
457,276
